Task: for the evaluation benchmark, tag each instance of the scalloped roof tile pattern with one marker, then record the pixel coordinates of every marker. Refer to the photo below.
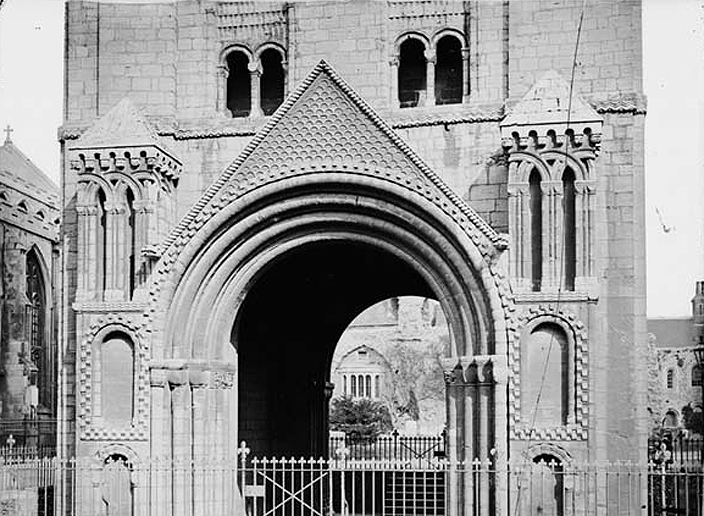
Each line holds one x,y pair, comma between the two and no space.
326,125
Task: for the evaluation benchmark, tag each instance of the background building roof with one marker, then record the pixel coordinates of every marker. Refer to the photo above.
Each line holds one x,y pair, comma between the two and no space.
671,332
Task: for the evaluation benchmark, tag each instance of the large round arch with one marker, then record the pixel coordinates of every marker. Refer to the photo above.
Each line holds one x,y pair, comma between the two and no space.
271,281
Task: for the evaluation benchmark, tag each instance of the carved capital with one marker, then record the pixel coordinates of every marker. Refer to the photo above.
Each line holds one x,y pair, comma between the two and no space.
86,210
223,71
222,379
115,208
254,68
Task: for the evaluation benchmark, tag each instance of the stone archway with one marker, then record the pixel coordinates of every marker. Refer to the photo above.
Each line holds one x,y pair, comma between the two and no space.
250,297
300,224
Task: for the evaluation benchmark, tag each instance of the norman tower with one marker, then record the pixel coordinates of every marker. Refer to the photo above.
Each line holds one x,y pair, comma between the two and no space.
242,179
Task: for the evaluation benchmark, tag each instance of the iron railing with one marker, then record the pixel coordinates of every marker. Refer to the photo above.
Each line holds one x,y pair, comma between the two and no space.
678,448
344,486
28,432
390,447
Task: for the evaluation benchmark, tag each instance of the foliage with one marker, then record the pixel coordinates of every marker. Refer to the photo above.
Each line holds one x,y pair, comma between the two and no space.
693,420
411,408
360,418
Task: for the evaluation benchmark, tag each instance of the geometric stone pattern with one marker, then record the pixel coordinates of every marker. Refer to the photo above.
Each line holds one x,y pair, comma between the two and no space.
138,428
324,125
571,431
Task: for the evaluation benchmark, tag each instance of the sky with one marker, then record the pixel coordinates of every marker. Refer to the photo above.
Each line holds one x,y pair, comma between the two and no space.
31,86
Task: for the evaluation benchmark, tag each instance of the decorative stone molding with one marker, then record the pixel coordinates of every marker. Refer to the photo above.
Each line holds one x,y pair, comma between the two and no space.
90,430
576,430
385,155
536,450
105,452
475,370
109,306
247,20
633,103
548,132
211,375
558,296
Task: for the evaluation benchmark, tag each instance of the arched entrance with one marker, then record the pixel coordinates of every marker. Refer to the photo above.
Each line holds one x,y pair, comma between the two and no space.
295,239
287,331
271,289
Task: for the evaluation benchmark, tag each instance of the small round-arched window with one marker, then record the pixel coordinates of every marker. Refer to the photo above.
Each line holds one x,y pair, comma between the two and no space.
239,85
412,69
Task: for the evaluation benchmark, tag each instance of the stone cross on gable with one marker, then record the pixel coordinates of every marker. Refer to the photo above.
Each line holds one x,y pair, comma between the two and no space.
8,130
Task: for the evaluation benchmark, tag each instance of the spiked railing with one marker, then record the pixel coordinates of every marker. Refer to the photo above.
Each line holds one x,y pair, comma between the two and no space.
345,486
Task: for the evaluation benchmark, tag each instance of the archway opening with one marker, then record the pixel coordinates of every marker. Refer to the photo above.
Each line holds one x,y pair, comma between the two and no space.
287,330
388,389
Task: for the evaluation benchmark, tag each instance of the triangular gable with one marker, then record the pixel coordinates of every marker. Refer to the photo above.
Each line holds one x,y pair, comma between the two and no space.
547,106
323,124
122,126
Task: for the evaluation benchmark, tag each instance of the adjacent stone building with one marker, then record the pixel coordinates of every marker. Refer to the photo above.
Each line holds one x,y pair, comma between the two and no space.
392,353
242,179
675,376
29,317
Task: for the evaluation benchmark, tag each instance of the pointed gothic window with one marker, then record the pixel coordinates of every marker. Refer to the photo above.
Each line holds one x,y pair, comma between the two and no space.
569,229
272,81
412,70
696,376
448,71
536,229
40,353
239,89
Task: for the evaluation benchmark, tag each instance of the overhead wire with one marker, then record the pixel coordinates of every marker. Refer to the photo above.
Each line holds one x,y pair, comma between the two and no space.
558,299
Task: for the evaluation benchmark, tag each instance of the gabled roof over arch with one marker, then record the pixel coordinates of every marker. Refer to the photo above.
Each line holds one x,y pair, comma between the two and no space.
324,125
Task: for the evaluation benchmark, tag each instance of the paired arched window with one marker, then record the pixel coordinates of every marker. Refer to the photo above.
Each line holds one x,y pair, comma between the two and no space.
239,84
448,71
41,353
696,376
113,361
415,84
272,81
545,377
256,85
115,255
568,268
412,73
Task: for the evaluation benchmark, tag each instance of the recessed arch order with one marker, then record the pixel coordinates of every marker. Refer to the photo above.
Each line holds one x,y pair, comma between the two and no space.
213,273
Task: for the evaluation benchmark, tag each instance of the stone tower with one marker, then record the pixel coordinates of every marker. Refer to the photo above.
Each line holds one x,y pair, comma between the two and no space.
241,179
